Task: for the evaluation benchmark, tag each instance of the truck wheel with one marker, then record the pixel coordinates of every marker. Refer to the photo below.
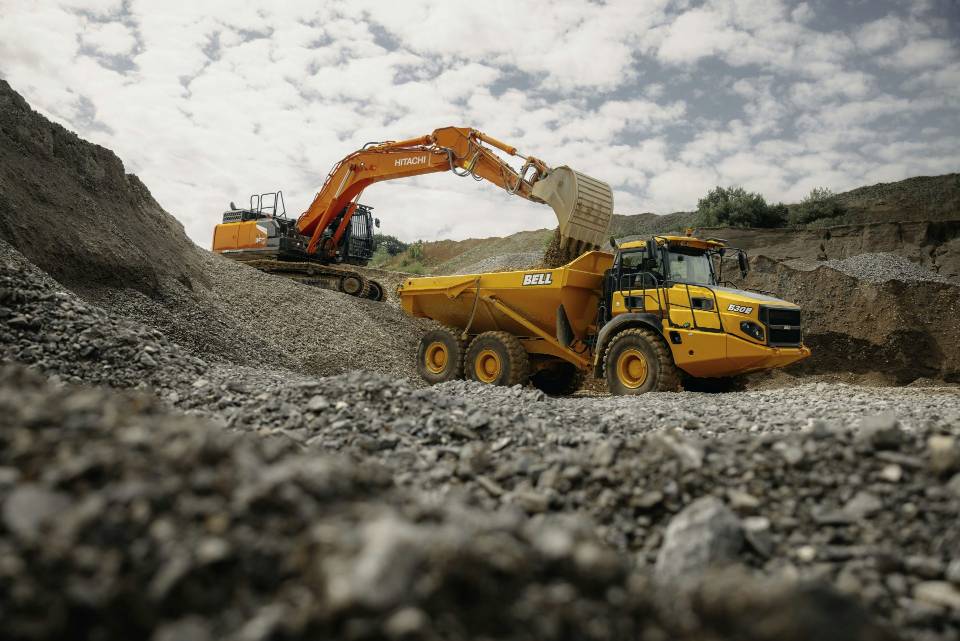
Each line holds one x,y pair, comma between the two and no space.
440,356
376,291
558,379
638,361
497,358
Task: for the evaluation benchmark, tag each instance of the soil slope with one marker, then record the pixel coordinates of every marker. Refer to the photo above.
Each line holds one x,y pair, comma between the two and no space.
69,207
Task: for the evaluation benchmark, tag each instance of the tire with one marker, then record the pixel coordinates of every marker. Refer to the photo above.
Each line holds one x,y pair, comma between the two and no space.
377,292
559,378
497,358
637,361
440,356
355,285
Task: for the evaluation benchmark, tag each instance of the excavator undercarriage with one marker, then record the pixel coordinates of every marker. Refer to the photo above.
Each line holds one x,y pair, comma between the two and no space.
262,237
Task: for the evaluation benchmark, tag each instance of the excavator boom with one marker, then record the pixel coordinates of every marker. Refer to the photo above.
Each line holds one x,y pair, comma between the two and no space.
583,205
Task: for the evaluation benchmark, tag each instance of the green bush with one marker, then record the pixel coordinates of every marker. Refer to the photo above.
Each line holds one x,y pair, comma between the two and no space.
415,251
389,244
820,203
736,207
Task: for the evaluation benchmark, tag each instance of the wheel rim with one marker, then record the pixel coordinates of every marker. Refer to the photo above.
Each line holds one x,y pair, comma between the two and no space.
487,366
632,368
435,358
352,285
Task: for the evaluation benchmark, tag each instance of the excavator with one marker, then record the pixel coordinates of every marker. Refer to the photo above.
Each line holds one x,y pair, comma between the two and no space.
314,248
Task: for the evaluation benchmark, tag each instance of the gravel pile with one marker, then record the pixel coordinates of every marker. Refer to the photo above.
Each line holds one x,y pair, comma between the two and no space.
877,268
250,318
504,262
119,520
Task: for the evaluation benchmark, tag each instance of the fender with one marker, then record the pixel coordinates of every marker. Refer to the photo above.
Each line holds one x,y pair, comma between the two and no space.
619,322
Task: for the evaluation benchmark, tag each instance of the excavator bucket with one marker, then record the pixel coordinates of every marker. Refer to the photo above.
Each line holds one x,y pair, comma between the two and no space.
583,205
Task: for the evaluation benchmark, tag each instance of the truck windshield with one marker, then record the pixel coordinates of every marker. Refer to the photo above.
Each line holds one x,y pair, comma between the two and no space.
691,267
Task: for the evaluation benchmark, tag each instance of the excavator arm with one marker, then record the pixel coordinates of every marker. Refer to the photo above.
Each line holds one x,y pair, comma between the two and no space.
583,205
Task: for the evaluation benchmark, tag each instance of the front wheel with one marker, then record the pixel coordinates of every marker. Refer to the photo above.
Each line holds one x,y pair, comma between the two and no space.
638,361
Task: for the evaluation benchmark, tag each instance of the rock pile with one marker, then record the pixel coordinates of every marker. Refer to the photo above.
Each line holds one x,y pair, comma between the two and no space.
119,520
878,268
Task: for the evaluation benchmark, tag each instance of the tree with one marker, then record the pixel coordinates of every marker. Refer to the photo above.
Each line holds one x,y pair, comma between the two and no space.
736,207
389,244
819,203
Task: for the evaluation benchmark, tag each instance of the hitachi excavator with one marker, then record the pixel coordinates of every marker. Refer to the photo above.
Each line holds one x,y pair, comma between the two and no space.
327,235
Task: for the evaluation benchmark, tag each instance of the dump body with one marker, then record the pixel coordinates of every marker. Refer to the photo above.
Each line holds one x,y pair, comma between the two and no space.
534,294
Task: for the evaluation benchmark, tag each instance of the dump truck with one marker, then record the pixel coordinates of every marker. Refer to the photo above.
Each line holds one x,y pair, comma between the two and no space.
316,247
649,316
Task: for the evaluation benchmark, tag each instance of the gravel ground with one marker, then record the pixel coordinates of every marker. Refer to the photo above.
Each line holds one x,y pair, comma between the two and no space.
256,502
877,268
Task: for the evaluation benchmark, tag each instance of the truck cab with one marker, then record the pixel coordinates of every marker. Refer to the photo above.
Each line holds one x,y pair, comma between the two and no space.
674,285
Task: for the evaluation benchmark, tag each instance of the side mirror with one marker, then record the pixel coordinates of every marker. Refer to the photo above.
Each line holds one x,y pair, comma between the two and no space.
376,223
743,264
613,242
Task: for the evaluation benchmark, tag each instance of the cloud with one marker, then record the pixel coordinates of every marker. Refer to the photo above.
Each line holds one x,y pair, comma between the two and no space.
210,101
108,38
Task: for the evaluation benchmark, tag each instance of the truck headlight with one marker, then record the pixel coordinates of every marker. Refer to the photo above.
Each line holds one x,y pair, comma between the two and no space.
752,329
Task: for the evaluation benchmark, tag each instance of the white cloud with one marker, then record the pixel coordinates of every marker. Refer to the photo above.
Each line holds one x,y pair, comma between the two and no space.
110,38
221,98
928,52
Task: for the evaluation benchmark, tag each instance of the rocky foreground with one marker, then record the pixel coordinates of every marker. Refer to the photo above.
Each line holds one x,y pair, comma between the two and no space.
227,501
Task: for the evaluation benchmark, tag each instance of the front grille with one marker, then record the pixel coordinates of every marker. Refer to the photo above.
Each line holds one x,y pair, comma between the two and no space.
783,326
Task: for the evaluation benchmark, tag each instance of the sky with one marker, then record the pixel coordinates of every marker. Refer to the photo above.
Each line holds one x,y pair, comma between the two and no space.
208,102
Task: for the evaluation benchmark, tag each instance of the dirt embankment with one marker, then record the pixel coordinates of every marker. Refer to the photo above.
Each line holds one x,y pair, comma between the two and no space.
932,244
70,208
901,330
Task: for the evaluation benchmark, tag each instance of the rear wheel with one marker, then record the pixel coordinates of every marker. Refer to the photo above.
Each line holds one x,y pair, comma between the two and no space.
559,378
638,361
440,356
497,358
376,291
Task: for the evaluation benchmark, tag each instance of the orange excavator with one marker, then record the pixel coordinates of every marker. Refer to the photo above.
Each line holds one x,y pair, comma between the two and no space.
337,229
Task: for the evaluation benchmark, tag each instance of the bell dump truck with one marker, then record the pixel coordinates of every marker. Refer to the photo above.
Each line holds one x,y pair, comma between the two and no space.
651,316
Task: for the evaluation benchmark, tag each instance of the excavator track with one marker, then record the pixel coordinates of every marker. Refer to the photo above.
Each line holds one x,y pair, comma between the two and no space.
333,277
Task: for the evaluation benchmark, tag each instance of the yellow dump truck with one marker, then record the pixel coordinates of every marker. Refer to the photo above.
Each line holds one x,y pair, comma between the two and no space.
648,317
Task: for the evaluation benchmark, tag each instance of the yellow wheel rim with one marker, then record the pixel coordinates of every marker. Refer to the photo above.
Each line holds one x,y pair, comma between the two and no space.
436,357
632,368
487,366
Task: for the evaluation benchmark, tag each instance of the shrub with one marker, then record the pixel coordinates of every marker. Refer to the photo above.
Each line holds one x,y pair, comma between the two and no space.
819,203
390,244
736,207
